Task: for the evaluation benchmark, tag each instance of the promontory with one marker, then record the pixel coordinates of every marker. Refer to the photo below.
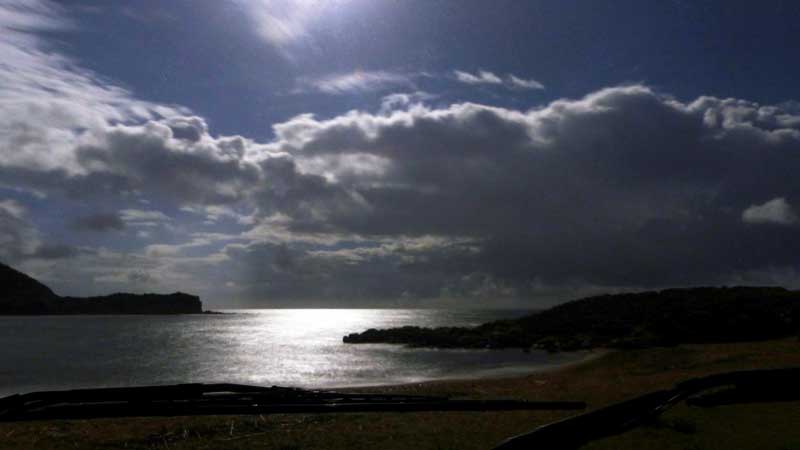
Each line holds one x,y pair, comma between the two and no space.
23,295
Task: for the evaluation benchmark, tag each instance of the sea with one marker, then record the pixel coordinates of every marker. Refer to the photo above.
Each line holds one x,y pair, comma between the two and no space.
284,347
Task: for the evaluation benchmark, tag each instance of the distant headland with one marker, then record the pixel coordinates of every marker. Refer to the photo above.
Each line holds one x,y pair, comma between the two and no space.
637,320
23,295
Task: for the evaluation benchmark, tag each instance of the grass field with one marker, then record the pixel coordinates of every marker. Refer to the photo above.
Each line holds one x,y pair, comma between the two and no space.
611,377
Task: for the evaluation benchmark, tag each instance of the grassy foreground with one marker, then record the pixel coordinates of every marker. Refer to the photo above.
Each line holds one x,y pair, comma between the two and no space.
609,378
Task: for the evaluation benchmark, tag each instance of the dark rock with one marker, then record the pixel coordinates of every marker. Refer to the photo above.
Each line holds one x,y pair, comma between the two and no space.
646,319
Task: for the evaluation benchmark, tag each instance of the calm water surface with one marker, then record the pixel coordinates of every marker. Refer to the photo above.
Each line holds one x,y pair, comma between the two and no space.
300,347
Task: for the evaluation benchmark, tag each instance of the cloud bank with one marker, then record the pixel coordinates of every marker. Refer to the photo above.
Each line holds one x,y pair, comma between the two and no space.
623,188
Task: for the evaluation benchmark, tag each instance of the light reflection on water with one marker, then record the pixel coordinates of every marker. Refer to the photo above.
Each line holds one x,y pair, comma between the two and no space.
300,347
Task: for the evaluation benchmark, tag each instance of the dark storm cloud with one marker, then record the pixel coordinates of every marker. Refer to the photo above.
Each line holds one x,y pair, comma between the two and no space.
20,240
358,276
99,222
151,160
141,277
623,187
17,236
429,272
54,251
147,160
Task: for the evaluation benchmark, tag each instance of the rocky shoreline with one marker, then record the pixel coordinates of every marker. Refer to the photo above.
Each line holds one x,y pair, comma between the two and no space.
640,320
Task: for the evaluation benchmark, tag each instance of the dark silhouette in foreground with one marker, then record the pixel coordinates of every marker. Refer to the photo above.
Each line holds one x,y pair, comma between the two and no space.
731,388
216,399
23,295
657,318
749,386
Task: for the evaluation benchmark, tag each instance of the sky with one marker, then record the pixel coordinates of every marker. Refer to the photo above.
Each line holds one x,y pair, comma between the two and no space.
383,153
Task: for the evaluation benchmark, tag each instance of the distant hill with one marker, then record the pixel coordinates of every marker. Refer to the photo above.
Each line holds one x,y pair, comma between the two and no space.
668,317
23,295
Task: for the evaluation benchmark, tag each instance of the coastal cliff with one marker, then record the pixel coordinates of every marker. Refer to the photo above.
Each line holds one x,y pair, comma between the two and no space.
23,295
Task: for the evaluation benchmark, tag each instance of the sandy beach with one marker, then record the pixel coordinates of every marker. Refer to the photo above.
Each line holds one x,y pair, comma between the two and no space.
600,379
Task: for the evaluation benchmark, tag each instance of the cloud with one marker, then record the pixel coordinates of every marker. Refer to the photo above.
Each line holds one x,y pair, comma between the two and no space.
138,216
141,277
357,81
403,100
145,160
485,77
48,104
288,274
191,129
100,222
12,209
197,240
214,214
54,251
625,186
776,211
525,84
18,237
20,240
149,158
32,15
482,77
67,130
360,81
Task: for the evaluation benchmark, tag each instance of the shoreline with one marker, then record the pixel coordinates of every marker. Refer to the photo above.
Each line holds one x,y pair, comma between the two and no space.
603,377
509,373
523,372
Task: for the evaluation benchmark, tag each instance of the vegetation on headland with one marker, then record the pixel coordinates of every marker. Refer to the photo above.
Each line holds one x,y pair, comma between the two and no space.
636,320
23,295
613,377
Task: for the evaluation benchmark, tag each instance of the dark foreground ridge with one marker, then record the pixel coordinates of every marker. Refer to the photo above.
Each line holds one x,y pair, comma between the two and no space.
23,295
237,399
646,319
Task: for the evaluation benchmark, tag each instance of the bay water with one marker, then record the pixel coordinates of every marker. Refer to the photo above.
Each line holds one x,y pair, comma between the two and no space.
287,347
